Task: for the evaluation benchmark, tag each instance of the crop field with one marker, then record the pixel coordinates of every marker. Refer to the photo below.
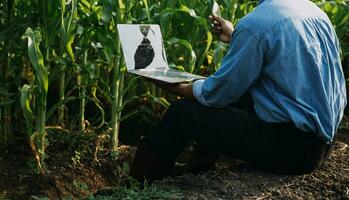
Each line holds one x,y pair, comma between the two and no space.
70,115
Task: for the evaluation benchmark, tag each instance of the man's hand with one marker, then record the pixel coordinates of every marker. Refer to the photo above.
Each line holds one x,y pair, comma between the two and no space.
222,27
183,89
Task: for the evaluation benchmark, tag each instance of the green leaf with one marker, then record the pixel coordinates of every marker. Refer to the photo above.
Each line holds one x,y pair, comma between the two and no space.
188,46
25,104
36,58
69,47
147,8
190,11
121,4
208,46
108,6
100,108
128,115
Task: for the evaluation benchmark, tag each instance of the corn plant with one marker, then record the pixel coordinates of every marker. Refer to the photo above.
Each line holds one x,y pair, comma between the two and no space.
34,97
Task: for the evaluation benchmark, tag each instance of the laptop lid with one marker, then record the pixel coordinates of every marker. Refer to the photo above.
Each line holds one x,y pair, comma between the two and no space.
142,46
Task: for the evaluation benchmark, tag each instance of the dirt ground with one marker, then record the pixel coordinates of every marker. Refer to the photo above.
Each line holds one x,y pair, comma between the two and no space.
73,174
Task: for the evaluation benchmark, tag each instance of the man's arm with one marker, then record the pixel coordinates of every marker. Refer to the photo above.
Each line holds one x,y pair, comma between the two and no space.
224,29
240,68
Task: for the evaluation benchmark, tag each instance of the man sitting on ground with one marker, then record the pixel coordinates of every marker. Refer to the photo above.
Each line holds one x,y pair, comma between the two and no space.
276,101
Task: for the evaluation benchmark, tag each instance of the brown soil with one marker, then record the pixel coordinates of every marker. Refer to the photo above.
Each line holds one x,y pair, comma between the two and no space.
76,175
70,173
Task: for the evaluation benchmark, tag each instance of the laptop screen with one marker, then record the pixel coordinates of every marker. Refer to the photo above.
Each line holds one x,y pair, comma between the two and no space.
142,46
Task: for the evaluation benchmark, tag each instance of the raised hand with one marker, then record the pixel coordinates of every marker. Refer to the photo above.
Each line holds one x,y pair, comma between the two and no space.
222,27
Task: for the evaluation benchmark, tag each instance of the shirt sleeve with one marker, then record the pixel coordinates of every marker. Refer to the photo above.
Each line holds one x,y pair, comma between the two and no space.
240,69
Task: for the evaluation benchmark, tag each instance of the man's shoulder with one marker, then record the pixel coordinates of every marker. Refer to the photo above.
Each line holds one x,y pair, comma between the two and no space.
272,13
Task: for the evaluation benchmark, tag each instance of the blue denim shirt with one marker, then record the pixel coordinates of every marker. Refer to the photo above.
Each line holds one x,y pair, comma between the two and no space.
286,55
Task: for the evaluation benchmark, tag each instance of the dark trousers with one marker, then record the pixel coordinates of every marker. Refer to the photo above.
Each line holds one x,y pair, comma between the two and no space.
238,132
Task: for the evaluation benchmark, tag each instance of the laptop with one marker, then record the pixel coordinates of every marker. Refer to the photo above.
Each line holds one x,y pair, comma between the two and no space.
145,55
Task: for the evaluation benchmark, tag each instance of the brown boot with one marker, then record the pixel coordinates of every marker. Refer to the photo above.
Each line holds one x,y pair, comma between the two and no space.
147,166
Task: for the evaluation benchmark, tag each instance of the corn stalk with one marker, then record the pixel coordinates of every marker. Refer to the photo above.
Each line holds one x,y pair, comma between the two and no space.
67,37
118,79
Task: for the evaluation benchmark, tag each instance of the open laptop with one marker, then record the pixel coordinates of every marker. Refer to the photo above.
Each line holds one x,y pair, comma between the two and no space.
145,55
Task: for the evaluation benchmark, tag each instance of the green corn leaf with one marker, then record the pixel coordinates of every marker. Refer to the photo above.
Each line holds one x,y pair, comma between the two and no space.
209,41
69,35
25,104
107,9
128,115
147,8
121,4
208,46
36,58
164,102
165,23
218,55
188,46
62,3
69,47
100,108
160,100
85,4
190,11
71,16
344,20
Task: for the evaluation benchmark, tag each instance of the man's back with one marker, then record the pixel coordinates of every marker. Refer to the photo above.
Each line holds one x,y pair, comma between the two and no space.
295,73
302,67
